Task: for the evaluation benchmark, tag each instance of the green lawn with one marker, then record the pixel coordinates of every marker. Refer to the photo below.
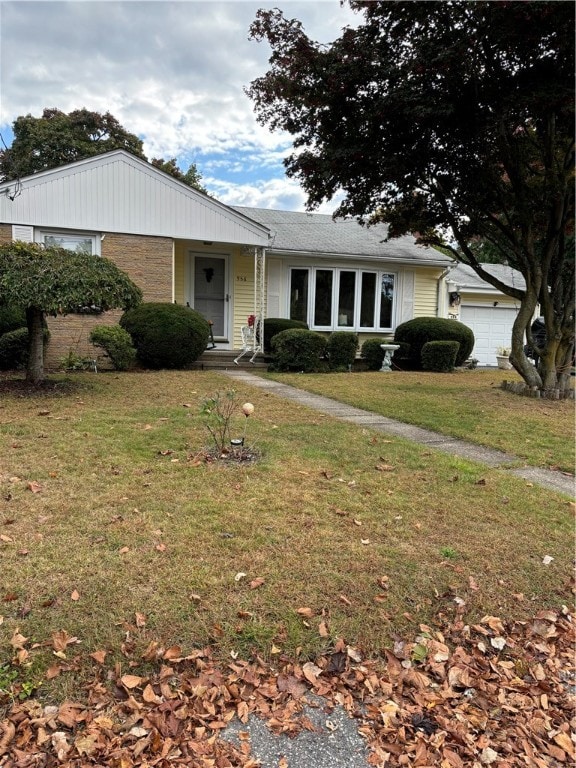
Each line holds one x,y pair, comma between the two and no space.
114,529
466,404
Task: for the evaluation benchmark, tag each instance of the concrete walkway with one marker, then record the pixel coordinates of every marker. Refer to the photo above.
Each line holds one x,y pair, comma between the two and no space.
547,478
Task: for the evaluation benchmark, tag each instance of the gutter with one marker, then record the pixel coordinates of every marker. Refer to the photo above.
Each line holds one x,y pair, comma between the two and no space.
339,256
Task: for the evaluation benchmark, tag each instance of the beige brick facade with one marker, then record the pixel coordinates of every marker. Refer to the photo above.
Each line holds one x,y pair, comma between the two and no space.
5,234
146,260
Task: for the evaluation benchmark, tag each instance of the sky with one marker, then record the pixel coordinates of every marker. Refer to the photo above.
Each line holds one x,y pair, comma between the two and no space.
173,73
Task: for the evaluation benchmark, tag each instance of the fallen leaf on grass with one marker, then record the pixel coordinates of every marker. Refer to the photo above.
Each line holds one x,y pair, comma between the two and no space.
34,486
255,583
384,467
17,640
61,639
131,681
306,612
172,653
344,599
75,595
98,656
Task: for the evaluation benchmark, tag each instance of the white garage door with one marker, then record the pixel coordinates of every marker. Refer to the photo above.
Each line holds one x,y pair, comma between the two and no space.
492,328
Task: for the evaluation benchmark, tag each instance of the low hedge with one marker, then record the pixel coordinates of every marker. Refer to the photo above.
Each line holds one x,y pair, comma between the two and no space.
274,325
297,349
421,330
11,318
439,356
14,349
373,353
341,350
117,343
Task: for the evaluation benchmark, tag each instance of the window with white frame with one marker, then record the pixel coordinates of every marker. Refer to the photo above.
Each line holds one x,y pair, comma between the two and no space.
78,242
343,299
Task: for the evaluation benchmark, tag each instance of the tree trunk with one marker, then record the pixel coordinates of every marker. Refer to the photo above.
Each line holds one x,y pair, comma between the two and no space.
35,367
517,357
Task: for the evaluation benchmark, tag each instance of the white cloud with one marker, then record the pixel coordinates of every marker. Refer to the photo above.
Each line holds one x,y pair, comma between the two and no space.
278,194
171,72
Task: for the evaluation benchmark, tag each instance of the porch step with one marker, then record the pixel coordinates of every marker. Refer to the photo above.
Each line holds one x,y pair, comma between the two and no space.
213,359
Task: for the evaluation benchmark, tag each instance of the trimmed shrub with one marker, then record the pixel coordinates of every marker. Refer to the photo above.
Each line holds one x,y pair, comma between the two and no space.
401,358
14,349
166,335
420,330
274,325
341,350
299,349
373,354
11,318
439,356
117,343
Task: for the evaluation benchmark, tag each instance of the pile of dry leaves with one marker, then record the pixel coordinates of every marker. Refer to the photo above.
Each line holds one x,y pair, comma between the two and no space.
482,695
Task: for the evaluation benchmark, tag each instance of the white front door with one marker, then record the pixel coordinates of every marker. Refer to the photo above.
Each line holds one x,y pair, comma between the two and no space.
209,289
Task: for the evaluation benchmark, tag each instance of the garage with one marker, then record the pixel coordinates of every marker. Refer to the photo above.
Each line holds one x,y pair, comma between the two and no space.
492,327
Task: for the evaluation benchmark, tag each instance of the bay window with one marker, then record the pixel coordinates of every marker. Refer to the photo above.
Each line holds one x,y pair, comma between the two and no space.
336,298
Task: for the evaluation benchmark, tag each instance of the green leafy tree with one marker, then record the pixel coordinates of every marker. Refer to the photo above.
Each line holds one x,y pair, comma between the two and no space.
57,138
192,177
54,281
443,117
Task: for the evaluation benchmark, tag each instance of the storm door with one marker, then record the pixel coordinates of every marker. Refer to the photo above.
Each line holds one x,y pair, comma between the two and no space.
210,292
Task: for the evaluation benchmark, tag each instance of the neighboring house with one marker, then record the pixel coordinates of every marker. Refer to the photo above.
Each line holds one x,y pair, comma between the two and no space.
482,307
182,246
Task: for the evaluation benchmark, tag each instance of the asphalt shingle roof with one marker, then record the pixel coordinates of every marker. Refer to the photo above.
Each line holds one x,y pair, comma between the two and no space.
465,276
320,234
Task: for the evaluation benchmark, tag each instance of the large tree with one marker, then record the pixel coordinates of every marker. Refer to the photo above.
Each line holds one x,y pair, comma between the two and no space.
453,120
54,281
57,138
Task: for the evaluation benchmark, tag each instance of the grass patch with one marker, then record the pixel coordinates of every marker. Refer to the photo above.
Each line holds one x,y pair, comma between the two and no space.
465,404
111,530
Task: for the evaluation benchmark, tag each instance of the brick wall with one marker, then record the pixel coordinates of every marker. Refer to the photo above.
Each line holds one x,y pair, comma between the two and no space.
5,234
146,260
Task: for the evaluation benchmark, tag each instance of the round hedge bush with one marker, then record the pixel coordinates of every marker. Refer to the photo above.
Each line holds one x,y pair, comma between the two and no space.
117,343
373,353
300,350
11,318
341,350
274,325
439,356
166,335
14,349
420,330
